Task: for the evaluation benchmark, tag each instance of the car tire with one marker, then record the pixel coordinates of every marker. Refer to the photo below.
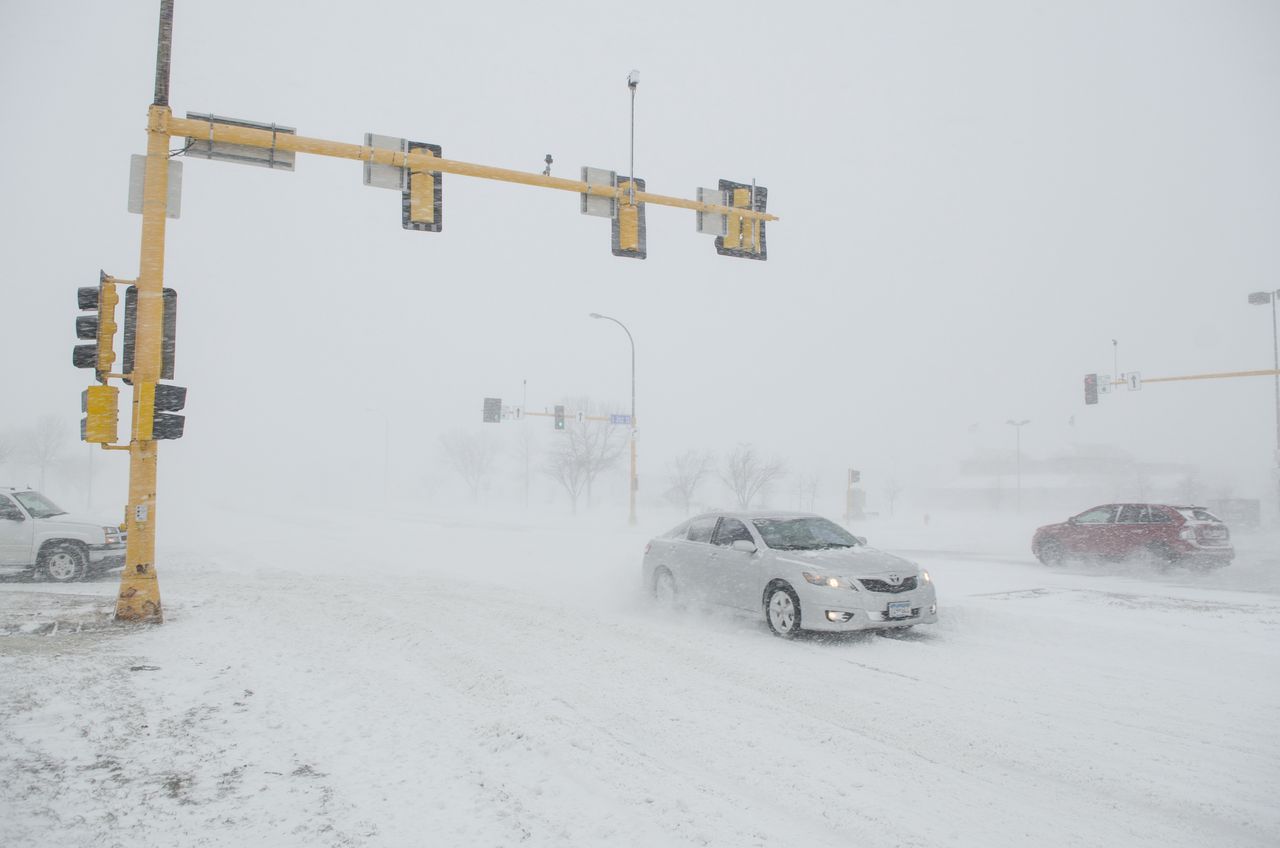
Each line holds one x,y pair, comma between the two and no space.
664,590
1051,553
1161,557
782,610
63,563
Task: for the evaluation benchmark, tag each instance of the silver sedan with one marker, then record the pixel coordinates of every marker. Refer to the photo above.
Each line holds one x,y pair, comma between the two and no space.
801,571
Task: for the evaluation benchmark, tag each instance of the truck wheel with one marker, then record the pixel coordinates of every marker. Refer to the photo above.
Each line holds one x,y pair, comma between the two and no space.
62,563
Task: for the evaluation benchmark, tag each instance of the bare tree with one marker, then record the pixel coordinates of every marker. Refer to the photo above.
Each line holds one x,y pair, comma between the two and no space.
583,450
471,454
807,491
747,475
891,492
687,471
45,443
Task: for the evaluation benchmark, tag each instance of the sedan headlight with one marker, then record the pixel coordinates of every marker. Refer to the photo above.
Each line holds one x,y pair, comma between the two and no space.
924,576
828,581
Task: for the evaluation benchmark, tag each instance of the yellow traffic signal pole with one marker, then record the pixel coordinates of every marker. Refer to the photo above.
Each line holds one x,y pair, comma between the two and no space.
139,598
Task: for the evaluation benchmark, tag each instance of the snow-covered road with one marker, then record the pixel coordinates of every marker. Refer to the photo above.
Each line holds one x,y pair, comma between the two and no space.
483,682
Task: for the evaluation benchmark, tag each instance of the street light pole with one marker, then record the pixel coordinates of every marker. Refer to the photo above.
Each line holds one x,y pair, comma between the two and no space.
1262,299
632,518
1018,425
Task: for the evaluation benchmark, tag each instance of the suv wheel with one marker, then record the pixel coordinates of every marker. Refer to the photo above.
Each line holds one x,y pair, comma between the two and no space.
1161,556
62,563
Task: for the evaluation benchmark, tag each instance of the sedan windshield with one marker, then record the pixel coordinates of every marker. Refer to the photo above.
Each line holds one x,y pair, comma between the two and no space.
803,534
38,505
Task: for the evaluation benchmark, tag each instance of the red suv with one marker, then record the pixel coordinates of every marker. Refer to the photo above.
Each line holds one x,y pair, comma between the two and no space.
1168,534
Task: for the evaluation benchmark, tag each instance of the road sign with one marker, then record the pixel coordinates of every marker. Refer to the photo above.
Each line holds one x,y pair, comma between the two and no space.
600,205
242,154
1134,379
492,411
619,419
1105,384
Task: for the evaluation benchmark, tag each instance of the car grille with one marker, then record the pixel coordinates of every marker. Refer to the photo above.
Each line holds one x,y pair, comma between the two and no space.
906,585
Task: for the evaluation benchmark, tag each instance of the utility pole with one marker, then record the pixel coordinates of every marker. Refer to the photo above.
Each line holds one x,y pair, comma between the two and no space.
1262,299
1018,425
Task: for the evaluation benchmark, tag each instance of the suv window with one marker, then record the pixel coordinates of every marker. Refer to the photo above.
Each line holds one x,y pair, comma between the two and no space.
1132,514
1196,513
730,531
1160,515
1099,515
700,529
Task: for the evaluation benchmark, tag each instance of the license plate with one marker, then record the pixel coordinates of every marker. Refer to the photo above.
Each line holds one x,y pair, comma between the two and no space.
900,609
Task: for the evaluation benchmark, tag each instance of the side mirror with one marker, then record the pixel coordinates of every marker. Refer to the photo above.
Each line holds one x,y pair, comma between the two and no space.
862,540
745,546
1072,520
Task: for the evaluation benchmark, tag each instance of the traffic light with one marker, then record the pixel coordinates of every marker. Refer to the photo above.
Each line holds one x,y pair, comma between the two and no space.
422,201
743,237
628,224
559,417
168,339
156,403
102,418
100,328
1090,389
493,410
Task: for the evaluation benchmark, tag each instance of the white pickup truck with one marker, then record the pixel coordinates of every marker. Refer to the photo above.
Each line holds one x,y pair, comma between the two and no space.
38,537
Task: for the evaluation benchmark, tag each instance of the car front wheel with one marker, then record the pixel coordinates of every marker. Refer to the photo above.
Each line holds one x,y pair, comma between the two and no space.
63,563
782,611
1051,552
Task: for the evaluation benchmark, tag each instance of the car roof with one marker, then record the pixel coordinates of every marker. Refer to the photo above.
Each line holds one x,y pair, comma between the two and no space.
755,513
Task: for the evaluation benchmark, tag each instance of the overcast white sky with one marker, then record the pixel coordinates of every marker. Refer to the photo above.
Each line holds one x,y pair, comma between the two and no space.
975,198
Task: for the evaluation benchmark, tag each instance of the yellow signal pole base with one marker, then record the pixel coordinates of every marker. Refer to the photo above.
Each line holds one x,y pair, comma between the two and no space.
139,596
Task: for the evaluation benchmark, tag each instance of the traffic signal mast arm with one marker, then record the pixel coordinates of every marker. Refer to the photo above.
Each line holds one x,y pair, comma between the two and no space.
217,132
1266,372
584,418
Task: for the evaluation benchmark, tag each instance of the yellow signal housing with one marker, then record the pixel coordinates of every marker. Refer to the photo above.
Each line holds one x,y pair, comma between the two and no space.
746,230
628,225
107,301
102,416
422,207
744,233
